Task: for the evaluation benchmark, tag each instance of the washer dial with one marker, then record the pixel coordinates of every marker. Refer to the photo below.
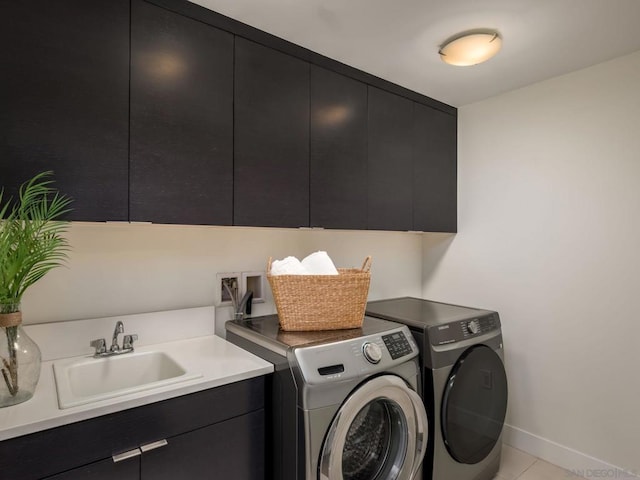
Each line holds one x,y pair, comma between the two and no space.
372,352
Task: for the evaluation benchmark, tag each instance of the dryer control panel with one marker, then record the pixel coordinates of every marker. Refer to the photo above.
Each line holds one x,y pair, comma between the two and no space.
463,329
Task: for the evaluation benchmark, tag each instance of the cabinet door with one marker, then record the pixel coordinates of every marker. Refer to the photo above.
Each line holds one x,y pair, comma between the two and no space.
104,470
435,170
271,144
65,101
390,165
181,119
233,449
338,177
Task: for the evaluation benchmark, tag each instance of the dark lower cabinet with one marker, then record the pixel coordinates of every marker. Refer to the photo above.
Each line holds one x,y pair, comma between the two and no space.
181,119
65,101
435,173
103,470
271,137
338,157
225,450
390,161
217,433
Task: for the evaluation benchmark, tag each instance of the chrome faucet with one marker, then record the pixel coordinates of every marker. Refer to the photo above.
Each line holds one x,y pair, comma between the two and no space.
114,340
100,344
240,306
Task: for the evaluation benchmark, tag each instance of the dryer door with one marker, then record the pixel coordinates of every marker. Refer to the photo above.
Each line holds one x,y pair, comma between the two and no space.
474,404
379,433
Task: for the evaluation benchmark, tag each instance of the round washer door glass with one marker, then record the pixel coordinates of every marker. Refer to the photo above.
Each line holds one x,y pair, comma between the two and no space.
379,433
474,404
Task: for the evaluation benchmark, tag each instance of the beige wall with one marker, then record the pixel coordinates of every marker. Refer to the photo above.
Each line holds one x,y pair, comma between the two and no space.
549,235
119,268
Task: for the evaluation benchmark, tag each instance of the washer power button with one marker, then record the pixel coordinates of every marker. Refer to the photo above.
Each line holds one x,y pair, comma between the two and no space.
372,352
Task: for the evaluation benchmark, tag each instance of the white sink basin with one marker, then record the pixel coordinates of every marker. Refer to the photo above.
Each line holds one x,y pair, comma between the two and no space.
87,380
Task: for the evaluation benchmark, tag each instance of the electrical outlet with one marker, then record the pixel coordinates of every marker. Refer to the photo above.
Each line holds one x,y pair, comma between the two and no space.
254,281
232,279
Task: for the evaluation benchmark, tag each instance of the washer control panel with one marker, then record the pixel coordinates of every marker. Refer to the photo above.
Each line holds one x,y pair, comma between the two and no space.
356,357
397,344
463,329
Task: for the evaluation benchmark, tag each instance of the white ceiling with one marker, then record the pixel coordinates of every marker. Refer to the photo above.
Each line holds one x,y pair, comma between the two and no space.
398,40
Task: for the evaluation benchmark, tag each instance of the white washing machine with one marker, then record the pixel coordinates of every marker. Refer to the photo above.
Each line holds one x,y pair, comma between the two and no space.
344,403
464,384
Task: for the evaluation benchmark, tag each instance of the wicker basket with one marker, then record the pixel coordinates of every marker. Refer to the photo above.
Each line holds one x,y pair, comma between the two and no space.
321,302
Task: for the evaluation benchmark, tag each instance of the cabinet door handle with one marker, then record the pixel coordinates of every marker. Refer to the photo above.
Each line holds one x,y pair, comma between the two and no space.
152,446
126,455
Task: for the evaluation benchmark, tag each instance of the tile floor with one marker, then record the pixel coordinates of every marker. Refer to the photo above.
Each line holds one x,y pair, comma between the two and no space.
519,465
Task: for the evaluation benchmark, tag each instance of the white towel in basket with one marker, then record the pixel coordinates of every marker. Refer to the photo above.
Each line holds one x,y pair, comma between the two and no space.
319,263
288,266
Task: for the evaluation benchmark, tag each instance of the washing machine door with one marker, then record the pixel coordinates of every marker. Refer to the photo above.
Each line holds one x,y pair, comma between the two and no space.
474,405
379,433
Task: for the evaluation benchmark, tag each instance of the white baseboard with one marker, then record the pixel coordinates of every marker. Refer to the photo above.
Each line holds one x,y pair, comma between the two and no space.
576,462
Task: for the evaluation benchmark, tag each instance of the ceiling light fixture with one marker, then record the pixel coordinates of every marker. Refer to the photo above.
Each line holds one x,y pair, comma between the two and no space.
470,48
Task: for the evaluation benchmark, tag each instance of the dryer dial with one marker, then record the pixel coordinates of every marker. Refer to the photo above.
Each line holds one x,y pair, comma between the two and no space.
473,327
372,352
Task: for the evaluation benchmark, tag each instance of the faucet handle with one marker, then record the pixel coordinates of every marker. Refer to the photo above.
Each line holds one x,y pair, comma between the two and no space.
100,344
127,341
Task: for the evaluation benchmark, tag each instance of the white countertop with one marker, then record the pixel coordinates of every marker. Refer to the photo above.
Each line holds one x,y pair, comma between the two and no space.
219,362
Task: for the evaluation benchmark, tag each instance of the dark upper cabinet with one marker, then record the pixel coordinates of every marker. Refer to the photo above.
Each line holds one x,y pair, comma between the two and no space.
181,119
390,161
435,170
271,137
167,112
65,101
338,162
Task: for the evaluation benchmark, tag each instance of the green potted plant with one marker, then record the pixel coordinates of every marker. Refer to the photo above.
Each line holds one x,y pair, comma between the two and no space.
31,244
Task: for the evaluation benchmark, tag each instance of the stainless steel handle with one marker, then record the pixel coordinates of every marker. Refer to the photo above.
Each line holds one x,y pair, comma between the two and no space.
126,455
138,451
153,445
